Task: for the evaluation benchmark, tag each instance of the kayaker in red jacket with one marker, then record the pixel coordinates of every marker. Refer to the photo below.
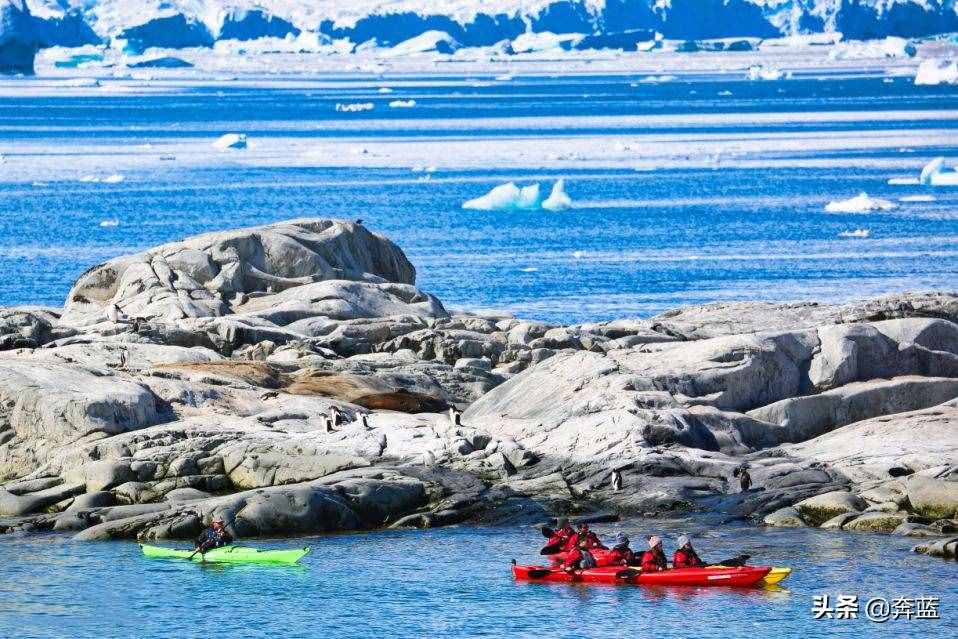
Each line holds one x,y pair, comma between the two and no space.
653,559
579,558
584,535
685,556
563,537
621,554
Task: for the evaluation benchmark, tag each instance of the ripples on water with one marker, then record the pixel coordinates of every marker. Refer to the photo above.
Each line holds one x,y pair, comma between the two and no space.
643,241
452,583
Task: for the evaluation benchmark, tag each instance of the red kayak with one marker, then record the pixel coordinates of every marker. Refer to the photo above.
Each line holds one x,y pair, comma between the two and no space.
740,577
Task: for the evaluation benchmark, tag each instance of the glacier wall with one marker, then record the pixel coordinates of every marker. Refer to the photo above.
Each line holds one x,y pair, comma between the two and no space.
139,24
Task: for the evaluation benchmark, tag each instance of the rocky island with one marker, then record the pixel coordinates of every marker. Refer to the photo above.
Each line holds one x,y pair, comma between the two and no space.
292,379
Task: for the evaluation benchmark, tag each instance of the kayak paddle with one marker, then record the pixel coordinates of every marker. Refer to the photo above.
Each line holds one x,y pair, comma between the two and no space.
550,549
546,532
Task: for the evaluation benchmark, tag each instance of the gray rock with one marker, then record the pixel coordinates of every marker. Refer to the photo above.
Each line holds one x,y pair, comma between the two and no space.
876,522
785,518
933,498
838,521
15,505
821,508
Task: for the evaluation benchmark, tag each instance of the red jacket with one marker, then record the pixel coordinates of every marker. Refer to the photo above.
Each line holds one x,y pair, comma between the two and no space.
591,540
615,557
653,562
686,559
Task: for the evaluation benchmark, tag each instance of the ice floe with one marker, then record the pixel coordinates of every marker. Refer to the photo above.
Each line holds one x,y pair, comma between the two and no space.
890,47
917,198
558,199
115,178
506,197
402,104
935,173
857,233
861,203
904,181
231,141
109,222
355,107
759,72
936,71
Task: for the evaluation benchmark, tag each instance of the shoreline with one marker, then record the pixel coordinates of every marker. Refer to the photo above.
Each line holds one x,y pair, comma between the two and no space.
291,379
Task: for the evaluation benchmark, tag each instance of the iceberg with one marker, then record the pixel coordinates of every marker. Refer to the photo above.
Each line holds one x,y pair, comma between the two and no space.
904,181
402,104
934,71
429,42
558,199
890,47
857,233
861,203
936,174
18,38
109,223
231,141
506,197
529,42
759,72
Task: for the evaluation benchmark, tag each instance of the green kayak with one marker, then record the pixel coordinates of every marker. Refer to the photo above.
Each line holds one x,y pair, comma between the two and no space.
229,555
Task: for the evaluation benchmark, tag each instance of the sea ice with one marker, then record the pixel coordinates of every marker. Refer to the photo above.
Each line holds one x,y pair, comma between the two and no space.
936,174
355,107
759,72
934,71
231,141
857,233
917,198
110,223
558,199
402,104
506,197
385,90
116,178
903,181
861,203
428,42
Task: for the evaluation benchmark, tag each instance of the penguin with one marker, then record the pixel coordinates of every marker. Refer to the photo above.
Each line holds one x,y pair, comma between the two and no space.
455,417
616,480
364,420
113,313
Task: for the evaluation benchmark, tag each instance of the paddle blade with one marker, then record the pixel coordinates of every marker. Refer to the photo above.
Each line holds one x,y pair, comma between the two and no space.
628,573
546,532
539,573
551,549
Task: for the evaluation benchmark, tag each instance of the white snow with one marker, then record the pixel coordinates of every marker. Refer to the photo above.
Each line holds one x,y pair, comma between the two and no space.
760,72
857,233
890,47
355,107
558,199
506,197
934,71
402,104
861,203
430,41
231,141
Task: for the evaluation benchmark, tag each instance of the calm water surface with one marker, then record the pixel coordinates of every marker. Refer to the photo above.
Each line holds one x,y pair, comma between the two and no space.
453,583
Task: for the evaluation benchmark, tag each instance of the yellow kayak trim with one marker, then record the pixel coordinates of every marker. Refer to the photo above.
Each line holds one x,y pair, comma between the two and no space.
776,575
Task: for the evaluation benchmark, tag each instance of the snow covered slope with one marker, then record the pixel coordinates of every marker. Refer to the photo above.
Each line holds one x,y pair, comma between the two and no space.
479,22
137,25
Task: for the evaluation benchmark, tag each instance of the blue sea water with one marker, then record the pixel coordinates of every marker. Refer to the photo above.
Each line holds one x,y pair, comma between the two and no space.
456,582
637,243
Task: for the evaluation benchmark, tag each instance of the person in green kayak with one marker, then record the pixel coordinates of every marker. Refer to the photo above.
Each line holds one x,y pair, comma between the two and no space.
216,536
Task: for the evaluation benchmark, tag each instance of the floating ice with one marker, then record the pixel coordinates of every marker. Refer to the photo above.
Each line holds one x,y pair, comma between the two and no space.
385,90
506,197
934,71
428,42
505,77
653,79
861,203
110,223
917,198
116,178
857,233
936,174
543,41
890,47
231,141
80,82
903,181
529,269
355,107
558,199
759,72
402,104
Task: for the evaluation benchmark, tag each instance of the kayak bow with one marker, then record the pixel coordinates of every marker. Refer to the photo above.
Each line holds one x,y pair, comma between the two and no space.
229,555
